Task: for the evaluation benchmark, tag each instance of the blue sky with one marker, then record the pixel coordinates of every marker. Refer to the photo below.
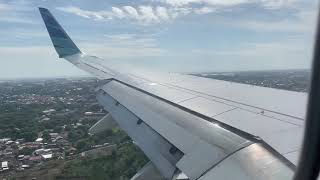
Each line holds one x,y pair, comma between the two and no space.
165,35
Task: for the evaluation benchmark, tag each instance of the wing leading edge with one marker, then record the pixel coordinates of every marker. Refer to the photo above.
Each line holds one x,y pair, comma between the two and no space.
179,139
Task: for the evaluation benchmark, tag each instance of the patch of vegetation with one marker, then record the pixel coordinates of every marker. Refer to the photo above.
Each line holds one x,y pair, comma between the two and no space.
20,121
21,116
122,164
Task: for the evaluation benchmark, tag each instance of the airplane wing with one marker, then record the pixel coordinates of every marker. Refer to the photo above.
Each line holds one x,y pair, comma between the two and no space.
192,127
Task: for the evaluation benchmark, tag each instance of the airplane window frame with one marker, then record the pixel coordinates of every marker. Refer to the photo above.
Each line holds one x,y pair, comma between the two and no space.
309,162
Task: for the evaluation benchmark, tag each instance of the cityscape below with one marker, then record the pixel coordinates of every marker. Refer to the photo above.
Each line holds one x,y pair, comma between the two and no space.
44,127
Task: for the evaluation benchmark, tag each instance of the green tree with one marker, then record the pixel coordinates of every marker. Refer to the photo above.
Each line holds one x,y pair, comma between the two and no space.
57,129
28,136
26,151
46,136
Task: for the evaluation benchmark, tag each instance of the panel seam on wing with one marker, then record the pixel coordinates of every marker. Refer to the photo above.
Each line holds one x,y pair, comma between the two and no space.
196,93
225,112
202,116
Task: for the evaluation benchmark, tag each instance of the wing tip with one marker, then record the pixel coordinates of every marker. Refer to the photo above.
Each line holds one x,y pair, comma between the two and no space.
42,9
60,39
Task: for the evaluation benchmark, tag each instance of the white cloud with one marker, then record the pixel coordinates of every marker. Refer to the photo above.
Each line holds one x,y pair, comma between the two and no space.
304,22
120,36
5,7
204,10
141,14
207,2
276,4
122,52
22,33
15,19
124,46
131,11
162,13
268,4
77,11
117,12
147,14
13,13
180,11
169,10
99,15
15,6
130,40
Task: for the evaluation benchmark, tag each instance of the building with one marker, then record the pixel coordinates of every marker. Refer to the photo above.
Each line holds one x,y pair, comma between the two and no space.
49,111
9,142
4,140
39,140
25,166
54,135
35,159
32,145
47,156
88,113
45,119
4,165
42,151
21,157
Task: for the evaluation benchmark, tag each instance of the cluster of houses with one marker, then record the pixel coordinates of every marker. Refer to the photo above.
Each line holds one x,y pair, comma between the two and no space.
20,155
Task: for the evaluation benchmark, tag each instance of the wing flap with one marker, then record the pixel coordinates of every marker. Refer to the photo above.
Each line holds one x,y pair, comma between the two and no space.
154,145
148,172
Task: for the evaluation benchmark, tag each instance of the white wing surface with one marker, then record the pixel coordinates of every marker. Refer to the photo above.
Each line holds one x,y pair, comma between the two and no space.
192,127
